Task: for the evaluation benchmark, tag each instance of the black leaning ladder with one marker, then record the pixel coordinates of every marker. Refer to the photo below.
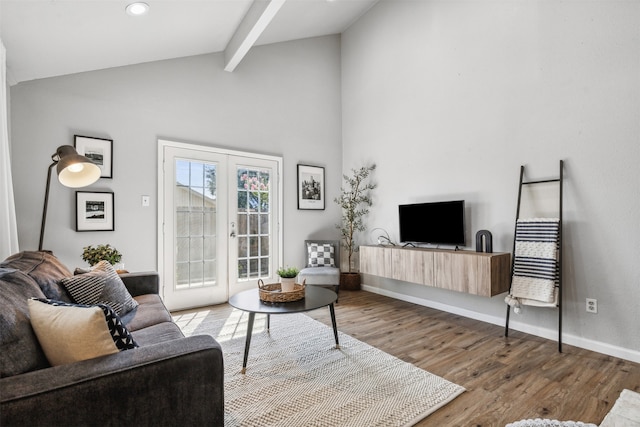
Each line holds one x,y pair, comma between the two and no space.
559,302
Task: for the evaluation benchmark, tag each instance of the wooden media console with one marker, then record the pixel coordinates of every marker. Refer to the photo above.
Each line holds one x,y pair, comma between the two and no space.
477,273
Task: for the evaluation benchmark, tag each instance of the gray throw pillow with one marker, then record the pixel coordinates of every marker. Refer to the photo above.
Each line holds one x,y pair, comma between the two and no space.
320,255
101,285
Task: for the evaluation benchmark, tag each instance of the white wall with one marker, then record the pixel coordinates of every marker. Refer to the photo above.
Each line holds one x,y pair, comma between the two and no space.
450,97
282,100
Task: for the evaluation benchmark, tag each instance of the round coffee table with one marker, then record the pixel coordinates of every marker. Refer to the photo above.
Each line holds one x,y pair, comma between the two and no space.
315,297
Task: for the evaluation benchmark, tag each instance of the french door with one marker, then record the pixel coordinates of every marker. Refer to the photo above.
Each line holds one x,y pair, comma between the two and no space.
219,216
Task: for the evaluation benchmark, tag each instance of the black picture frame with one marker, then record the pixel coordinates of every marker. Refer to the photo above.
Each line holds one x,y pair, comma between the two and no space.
95,211
311,187
98,150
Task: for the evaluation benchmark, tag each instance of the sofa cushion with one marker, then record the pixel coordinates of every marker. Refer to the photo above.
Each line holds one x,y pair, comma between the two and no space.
156,334
45,269
150,311
19,348
101,285
72,332
320,276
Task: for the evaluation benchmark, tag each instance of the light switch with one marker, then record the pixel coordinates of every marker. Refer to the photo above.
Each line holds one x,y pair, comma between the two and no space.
146,200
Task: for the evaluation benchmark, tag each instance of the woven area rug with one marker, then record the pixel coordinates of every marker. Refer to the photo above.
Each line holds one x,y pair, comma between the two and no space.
296,377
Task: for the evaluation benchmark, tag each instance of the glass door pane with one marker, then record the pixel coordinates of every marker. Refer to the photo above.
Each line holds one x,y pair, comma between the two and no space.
195,217
195,233
254,200
253,252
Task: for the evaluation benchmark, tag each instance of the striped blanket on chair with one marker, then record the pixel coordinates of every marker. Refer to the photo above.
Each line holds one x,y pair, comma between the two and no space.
535,273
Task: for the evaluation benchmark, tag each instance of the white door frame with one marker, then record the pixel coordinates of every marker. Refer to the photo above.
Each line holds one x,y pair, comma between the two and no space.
162,143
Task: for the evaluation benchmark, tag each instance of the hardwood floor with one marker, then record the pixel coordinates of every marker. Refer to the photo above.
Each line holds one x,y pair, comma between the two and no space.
507,379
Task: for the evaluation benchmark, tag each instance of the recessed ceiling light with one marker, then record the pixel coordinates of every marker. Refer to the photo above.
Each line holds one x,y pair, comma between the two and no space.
137,9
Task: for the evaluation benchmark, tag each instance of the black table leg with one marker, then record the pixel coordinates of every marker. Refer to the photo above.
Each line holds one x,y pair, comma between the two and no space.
333,322
268,322
252,316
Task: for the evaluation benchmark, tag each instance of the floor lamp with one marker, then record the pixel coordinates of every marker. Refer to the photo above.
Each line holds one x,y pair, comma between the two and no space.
73,171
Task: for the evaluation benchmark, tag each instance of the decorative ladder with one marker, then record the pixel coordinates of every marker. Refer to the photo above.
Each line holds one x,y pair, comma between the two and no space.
558,304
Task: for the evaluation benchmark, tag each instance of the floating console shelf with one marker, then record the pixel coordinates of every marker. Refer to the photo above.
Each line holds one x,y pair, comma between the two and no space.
477,273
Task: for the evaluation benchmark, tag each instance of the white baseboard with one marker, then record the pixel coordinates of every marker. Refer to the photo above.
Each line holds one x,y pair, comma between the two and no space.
587,344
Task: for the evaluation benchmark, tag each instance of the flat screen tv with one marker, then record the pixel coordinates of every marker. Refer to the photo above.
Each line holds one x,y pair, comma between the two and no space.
438,223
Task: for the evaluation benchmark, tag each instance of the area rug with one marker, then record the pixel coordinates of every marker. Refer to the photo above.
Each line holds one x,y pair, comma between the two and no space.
296,377
625,412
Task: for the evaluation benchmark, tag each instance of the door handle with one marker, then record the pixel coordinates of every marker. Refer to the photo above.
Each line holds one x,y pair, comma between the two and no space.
233,230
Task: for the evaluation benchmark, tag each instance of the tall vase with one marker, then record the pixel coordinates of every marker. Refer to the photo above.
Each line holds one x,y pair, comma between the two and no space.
287,284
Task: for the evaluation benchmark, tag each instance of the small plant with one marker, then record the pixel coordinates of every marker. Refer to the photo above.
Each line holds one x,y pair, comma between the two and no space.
288,273
95,254
354,200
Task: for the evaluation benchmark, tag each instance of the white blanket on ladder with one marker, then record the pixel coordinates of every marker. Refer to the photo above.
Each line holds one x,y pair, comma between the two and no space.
535,273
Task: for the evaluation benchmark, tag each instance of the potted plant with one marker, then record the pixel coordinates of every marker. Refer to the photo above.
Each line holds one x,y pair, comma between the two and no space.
95,254
354,200
288,278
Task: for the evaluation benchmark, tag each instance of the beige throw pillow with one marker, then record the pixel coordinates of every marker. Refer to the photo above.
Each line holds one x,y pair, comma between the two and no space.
69,333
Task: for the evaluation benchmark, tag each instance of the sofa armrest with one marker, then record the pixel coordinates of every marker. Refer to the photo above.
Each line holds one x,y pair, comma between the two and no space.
141,283
179,382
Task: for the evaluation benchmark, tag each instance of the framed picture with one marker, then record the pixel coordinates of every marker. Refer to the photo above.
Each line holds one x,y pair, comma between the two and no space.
98,150
310,187
94,211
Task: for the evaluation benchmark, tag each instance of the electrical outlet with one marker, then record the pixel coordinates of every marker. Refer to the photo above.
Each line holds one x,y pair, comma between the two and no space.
592,305
146,200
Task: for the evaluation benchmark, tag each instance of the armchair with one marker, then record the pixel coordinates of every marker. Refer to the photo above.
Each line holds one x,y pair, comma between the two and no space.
323,264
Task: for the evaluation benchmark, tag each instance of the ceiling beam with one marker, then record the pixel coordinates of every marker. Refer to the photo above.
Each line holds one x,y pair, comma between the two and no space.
253,24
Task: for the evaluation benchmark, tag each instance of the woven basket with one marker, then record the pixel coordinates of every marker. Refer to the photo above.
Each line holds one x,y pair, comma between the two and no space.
273,292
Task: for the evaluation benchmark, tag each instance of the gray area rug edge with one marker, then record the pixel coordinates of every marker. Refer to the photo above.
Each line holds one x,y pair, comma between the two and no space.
296,377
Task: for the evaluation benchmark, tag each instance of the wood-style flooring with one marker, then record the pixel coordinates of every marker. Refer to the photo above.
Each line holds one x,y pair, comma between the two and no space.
507,379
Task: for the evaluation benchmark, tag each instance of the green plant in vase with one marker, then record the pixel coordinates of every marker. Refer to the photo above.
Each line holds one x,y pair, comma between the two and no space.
354,200
95,254
288,272
288,278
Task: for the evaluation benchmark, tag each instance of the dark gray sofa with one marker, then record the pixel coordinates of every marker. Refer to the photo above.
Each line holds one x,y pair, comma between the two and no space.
168,380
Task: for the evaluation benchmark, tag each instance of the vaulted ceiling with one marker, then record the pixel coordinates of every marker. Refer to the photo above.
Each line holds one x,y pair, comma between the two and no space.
46,38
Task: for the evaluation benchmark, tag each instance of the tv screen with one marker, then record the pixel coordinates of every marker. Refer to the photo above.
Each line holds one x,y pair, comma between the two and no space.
439,223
